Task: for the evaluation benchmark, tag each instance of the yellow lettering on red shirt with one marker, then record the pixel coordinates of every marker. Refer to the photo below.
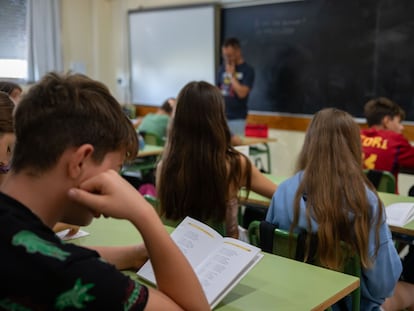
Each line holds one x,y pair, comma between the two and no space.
366,141
369,162
374,142
384,144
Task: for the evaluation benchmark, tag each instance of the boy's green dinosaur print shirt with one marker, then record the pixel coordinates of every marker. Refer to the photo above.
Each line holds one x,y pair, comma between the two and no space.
40,272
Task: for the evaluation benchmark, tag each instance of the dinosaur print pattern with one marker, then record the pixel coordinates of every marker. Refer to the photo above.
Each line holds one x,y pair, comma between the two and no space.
35,244
75,297
7,304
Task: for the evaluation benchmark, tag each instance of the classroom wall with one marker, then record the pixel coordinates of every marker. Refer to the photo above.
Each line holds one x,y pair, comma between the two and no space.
94,37
94,40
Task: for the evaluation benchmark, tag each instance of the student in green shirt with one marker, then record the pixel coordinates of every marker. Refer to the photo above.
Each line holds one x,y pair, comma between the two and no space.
157,123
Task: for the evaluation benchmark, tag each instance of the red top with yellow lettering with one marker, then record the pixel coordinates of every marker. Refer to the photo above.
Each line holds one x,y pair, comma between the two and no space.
386,150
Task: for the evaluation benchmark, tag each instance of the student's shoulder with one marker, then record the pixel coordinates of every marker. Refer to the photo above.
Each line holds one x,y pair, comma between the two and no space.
291,182
384,133
398,138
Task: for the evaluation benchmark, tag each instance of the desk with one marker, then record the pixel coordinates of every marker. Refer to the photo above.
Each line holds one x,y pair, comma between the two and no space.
389,198
257,199
247,140
275,283
150,150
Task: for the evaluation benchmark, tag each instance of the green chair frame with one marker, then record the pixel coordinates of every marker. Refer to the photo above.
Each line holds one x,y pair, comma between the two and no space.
140,167
383,181
286,245
257,151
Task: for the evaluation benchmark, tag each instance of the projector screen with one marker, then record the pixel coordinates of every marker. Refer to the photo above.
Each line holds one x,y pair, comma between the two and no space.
169,47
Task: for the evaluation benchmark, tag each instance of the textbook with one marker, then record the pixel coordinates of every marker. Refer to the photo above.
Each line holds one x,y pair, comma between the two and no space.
400,214
219,262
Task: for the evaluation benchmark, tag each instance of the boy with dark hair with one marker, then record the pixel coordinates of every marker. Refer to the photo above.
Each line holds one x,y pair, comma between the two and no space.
71,139
384,146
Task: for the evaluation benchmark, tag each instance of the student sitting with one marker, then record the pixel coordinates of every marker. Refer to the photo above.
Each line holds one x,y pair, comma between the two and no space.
12,89
156,123
71,139
384,147
7,139
331,196
200,173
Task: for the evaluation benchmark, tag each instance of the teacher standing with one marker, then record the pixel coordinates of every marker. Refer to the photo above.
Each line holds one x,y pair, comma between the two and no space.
235,79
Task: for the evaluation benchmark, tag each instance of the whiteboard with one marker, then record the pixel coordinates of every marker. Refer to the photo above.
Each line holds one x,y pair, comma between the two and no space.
169,47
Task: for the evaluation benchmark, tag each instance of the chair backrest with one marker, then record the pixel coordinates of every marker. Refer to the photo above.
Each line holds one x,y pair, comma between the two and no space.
153,139
383,181
280,242
218,226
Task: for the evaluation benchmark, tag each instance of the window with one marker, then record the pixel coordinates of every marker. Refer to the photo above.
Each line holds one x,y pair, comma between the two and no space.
13,39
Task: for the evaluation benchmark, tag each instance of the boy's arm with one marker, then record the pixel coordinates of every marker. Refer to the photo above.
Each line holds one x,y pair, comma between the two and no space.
178,286
137,122
130,257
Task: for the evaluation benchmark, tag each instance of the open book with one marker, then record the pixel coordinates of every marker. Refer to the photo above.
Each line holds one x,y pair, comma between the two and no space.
219,263
399,214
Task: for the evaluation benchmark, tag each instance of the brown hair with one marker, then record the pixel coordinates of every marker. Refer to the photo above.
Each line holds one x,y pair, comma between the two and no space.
335,188
376,109
63,111
166,106
199,164
8,87
6,113
233,42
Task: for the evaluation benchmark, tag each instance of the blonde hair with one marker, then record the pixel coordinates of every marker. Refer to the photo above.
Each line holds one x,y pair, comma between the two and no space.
335,187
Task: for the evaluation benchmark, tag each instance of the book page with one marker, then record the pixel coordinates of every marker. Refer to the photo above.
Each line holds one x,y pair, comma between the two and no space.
399,214
195,239
224,267
63,235
218,262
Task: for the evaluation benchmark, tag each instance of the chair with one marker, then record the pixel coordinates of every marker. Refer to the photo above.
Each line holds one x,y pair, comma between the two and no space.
153,139
140,171
255,151
280,242
383,181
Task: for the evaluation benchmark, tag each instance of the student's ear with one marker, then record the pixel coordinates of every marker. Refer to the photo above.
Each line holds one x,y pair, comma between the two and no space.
78,159
385,121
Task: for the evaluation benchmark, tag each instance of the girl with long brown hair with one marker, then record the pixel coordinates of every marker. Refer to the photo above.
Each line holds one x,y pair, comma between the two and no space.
331,197
200,173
